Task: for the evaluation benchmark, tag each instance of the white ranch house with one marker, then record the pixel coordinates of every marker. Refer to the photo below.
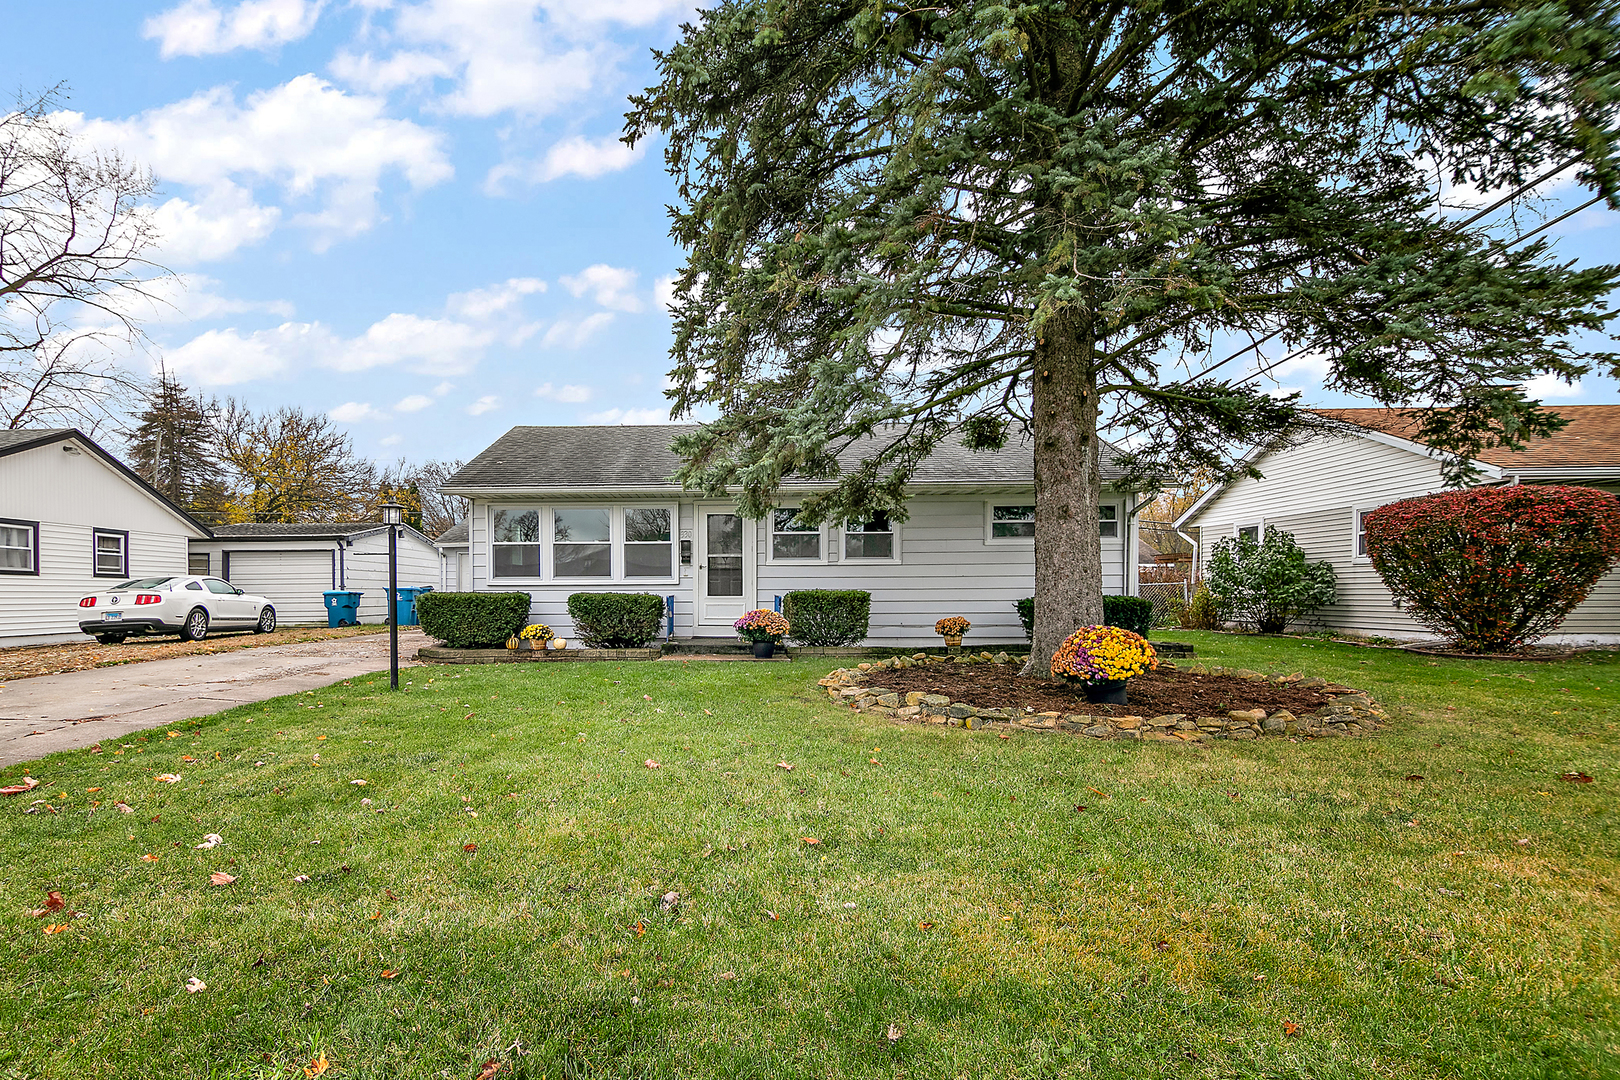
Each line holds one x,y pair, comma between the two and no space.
1319,491
560,510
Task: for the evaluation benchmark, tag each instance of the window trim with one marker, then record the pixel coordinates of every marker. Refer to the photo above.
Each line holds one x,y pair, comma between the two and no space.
824,542
989,522
616,543
1116,521
1357,534
894,531
95,552
33,528
208,559
1258,527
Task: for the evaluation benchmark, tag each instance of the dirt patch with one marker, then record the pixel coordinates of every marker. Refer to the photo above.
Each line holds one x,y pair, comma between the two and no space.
1157,693
27,661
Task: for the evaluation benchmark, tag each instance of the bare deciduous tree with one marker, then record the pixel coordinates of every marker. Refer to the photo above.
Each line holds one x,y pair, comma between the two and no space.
75,230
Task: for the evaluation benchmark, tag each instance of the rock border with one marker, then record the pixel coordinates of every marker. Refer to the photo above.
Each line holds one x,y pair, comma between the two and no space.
1351,712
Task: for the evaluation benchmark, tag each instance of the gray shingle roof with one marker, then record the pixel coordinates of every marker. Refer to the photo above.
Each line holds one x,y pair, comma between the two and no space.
638,457
455,534
23,436
325,531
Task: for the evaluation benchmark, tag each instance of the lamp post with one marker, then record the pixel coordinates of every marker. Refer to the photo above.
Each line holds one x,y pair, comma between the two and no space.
393,514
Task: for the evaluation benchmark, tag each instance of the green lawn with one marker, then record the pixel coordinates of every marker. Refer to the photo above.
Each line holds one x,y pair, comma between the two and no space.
1203,904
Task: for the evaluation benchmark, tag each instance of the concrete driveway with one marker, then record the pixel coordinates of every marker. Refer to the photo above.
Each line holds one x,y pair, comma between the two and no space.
67,712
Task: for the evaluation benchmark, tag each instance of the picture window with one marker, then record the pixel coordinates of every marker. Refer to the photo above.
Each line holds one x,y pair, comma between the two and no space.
514,542
1012,522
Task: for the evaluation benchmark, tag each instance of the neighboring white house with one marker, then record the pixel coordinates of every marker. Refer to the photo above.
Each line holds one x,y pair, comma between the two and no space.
294,565
560,510
455,559
1319,491
73,517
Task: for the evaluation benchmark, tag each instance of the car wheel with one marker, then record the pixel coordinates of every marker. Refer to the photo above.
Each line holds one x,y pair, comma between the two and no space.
267,620
111,639
196,626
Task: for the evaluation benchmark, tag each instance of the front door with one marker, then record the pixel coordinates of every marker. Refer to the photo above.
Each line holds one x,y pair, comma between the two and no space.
725,570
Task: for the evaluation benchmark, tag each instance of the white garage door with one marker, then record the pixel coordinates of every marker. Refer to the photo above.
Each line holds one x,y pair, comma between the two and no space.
293,580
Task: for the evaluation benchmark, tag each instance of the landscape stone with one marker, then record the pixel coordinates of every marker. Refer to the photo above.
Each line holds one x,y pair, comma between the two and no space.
890,700
1128,723
1169,720
1100,731
1216,722
1241,733
905,712
1312,683
1247,716
1002,658
960,711
938,701
914,697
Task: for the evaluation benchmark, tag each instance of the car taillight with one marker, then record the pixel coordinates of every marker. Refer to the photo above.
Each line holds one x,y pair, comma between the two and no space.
148,598
88,601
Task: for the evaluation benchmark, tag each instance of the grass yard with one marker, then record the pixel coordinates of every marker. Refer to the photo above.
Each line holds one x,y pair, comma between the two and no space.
1434,902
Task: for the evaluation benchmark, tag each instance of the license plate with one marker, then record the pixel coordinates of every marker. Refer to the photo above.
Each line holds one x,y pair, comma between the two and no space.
111,616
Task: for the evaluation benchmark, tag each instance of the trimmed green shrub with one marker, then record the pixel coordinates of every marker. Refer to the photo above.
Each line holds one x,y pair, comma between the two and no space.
473,620
1133,613
827,617
1264,585
611,620
1200,613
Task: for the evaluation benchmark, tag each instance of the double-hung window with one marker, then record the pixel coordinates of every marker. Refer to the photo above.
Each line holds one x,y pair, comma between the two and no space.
19,547
1011,522
649,548
1108,520
1361,533
582,542
1249,532
514,535
791,541
869,539
110,551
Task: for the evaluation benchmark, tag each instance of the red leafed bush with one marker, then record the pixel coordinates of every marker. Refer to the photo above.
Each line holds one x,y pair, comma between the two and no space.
1491,568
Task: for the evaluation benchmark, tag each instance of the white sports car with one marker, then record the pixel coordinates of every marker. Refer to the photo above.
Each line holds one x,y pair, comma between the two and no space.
189,606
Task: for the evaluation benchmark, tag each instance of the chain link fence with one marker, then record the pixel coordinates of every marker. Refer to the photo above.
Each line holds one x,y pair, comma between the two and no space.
1167,597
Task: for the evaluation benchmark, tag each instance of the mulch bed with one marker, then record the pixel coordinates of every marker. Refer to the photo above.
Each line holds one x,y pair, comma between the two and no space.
1158,693
27,661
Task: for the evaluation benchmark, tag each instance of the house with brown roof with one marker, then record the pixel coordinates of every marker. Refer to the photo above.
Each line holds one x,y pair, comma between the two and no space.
1320,490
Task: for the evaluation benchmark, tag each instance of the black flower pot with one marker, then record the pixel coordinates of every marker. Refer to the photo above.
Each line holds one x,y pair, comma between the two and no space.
1106,692
764,650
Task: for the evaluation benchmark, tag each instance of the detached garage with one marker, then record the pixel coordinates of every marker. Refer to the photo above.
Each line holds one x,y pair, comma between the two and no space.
294,565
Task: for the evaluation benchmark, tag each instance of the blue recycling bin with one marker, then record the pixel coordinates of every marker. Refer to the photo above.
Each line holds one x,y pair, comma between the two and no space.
342,607
405,603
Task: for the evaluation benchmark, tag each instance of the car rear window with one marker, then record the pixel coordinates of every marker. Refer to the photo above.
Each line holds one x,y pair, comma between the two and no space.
144,583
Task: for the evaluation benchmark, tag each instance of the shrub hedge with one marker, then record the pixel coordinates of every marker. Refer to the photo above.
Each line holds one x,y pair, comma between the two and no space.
616,620
1133,613
827,617
1494,567
473,620
1264,585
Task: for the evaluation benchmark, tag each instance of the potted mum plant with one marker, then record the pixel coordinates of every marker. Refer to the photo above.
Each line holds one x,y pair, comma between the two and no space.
951,630
1102,659
535,636
764,629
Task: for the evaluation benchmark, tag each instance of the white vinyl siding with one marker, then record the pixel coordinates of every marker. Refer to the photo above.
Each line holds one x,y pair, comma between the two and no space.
1318,490
293,581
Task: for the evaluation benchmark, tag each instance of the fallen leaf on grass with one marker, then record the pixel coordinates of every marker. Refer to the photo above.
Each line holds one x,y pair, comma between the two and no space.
640,928
1104,794
1002,735
149,858
1290,1028
210,840
809,839
773,916
925,926
374,918
53,902
92,790
1078,808
195,985
651,764
894,1033
28,784
317,1067
187,757
167,778
784,765
1414,776
388,894
57,929
1576,778
490,1069
302,879
219,877
1523,842
728,975
123,808
389,973
469,848
358,783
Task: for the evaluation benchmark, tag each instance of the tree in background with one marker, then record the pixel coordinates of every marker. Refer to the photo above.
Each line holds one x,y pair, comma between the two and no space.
290,467
438,510
173,445
909,222
75,231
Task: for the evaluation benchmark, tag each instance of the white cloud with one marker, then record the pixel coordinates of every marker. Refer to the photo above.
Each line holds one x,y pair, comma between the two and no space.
427,346
413,403
353,412
664,291
375,76
1552,388
321,147
483,405
569,395
184,298
610,286
494,300
630,416
443,389
200,28
392,440
227,357
575,156
570,334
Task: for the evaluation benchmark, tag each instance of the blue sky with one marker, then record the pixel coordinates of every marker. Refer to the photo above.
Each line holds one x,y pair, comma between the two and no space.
416,216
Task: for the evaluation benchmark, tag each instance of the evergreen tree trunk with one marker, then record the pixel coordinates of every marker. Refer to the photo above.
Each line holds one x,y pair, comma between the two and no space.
1068,480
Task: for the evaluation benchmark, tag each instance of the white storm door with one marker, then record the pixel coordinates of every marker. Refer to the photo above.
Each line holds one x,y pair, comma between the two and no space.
725,570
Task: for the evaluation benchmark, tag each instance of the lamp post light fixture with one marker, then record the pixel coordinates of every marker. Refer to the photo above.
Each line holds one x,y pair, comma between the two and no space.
393,514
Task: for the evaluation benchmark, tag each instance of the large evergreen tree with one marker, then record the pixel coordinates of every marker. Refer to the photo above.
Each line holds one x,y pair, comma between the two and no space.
910,220
173,445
